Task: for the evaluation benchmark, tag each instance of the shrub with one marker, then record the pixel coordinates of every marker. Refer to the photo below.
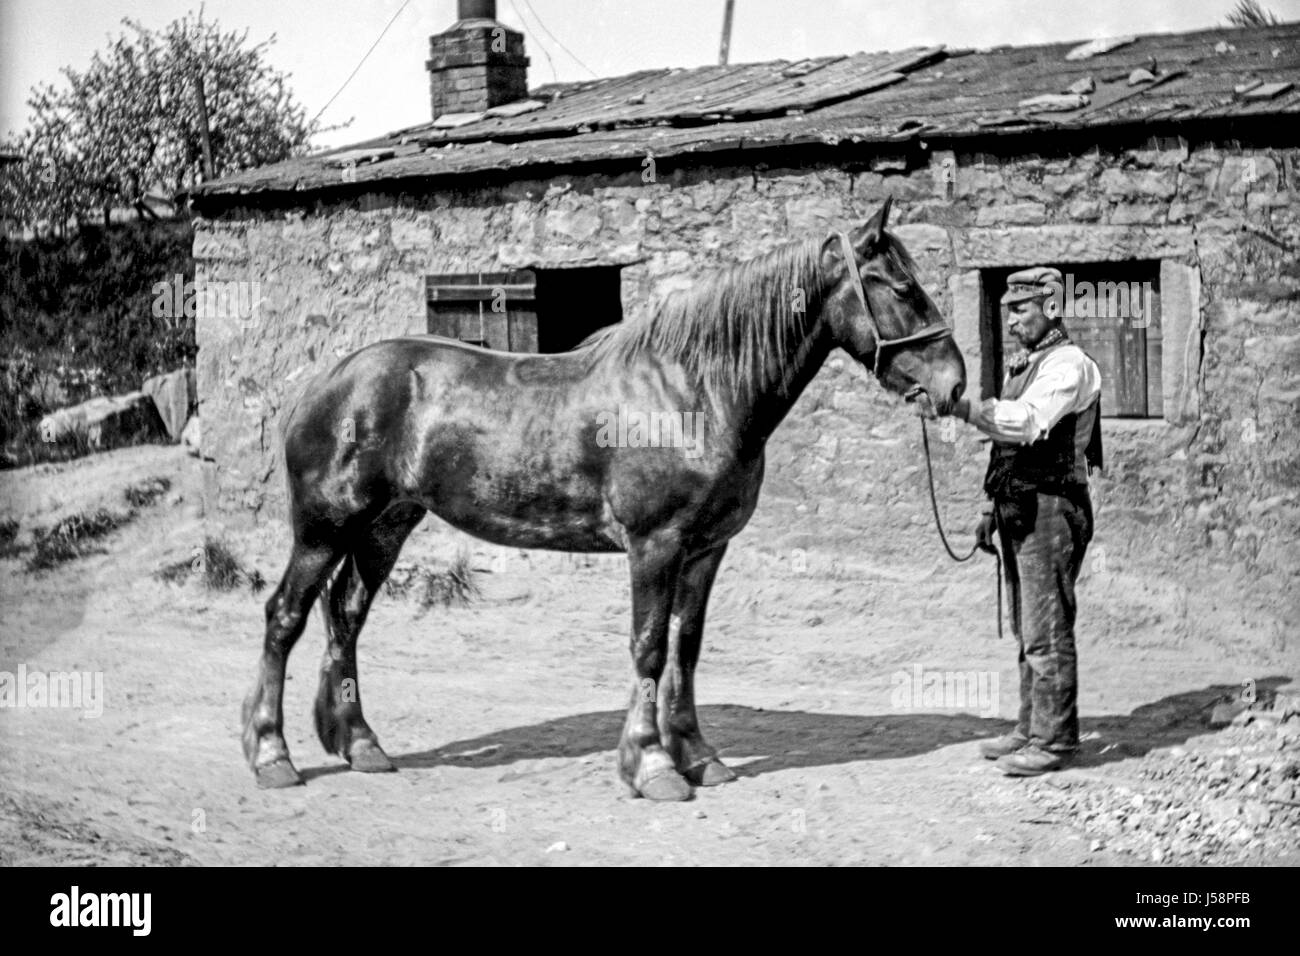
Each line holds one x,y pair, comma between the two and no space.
73,537
144,493
454,585
217,567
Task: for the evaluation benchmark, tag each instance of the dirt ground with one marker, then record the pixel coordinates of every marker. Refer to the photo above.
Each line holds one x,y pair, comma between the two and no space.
503,716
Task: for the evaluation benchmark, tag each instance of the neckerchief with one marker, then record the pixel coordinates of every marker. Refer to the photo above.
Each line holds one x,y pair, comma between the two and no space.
1020,360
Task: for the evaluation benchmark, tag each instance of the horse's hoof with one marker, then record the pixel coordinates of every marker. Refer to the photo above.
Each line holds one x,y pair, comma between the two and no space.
276,776
667,786
711,773
370,758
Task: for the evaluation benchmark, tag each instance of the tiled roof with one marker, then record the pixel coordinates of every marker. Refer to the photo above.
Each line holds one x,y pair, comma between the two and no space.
879,98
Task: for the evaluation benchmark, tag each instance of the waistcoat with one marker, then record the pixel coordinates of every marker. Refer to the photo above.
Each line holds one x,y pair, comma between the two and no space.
1059,462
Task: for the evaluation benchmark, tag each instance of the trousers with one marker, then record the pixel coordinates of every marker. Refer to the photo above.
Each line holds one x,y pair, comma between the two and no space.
1044,538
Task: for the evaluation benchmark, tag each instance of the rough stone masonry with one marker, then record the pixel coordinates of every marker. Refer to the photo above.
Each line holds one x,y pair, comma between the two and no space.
1218,474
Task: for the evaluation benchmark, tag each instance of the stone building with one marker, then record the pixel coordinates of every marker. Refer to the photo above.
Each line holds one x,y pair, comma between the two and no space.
1164,167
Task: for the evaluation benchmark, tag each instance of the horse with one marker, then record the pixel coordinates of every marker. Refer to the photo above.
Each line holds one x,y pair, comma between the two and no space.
519,450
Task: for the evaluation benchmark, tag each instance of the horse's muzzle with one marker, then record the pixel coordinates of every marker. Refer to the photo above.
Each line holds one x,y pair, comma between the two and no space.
928,405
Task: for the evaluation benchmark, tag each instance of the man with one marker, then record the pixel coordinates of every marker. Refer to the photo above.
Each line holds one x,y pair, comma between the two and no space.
1046,438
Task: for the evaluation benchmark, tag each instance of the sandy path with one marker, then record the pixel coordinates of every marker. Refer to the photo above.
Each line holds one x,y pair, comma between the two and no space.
503,717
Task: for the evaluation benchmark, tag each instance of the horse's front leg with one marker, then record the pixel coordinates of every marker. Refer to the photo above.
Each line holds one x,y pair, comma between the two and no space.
643,763
679,727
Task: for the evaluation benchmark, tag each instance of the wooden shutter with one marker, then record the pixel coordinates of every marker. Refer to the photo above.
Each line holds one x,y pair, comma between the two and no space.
1129,354
497,310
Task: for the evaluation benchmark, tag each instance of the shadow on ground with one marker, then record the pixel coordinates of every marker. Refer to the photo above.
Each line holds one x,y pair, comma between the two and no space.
785,740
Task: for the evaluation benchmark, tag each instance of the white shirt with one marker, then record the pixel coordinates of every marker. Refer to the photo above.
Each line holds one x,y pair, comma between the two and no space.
1066,381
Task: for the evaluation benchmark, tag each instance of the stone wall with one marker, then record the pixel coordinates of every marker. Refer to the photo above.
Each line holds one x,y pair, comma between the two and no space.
1219,479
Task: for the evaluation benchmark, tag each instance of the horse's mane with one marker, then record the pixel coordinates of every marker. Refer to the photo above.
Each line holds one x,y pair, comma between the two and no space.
734,326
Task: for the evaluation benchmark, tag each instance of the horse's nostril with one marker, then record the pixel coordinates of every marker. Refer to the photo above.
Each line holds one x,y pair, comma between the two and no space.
957,390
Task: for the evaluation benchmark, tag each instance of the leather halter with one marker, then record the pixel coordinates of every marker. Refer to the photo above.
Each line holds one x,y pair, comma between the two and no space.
930,332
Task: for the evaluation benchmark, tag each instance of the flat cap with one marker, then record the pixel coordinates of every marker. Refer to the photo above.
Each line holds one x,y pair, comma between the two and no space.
1039,282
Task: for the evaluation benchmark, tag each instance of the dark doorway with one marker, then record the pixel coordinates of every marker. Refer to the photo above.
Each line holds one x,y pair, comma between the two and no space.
573,303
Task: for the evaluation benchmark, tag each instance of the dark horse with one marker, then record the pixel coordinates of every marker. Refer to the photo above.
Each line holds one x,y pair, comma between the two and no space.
519,450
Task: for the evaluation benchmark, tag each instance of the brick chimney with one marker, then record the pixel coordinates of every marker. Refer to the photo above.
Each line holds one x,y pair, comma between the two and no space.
477,64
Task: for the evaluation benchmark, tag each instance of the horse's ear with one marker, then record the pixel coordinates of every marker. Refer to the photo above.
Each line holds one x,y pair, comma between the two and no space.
867,237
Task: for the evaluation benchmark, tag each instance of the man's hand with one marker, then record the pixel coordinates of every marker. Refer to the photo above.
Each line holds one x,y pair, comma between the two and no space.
984,534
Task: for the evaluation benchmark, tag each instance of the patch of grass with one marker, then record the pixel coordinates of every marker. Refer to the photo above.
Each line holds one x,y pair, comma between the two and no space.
144,493
73,537
9,546
216,566
452,586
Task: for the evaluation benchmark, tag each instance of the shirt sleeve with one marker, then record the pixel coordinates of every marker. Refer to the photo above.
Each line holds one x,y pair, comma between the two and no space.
1066,381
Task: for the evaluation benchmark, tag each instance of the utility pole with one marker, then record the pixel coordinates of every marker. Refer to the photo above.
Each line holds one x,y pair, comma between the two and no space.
725,51
201,103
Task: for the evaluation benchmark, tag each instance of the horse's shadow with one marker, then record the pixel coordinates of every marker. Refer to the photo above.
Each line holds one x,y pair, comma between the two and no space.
784,740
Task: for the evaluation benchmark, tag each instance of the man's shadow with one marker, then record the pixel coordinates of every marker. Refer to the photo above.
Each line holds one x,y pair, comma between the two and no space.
785,739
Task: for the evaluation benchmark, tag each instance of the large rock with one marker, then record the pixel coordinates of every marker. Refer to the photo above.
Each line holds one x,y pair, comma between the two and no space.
105,422
175,396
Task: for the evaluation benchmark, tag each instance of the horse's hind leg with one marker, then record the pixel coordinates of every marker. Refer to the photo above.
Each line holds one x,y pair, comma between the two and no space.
286,616
679,728
339,722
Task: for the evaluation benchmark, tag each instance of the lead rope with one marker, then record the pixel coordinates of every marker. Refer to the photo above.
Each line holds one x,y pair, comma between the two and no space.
938,524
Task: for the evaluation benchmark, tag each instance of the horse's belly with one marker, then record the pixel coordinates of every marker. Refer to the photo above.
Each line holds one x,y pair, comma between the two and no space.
552,533
525,509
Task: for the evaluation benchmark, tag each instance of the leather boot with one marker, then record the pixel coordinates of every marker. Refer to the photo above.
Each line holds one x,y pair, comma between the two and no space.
1032,760
1001,746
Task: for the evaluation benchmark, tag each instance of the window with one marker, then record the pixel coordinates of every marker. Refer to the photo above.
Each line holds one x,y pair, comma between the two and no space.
1112,311
531,310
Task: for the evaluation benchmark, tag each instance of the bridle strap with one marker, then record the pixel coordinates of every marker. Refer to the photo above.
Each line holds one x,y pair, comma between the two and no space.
930,332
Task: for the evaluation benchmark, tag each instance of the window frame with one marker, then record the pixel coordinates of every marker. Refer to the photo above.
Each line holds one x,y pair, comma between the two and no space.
1182,307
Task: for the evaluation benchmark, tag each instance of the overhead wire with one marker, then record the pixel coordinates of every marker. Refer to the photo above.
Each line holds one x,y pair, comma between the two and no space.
357,68
556,39
542,46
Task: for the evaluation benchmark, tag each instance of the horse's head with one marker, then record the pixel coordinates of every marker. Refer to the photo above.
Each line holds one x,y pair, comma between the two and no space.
877,312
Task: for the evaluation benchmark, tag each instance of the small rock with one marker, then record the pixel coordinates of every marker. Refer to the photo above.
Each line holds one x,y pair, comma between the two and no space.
1286,702
1225,712
558,847
1095,845
700,815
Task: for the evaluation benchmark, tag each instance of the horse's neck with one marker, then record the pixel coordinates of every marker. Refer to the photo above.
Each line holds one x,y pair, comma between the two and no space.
778,389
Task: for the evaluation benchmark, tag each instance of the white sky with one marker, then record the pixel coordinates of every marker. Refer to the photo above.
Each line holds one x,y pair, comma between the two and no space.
319,42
